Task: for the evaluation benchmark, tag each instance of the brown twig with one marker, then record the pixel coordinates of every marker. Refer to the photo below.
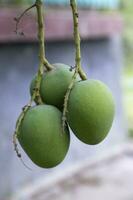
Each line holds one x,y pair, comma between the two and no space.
18,19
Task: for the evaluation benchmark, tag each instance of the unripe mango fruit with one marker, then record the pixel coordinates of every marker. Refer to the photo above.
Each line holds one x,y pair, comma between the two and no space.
54,84
41,136
90,111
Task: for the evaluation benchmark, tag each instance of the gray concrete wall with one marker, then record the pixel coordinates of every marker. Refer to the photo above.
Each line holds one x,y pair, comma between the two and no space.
18,63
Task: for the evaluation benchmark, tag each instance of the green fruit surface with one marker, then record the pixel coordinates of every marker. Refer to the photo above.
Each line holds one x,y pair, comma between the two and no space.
90,111
55,83
41,136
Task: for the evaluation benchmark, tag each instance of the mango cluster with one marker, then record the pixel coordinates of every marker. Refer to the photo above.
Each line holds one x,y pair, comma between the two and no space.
90,114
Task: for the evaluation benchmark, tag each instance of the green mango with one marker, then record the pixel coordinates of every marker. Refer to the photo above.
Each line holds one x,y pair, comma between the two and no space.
55,83
41,136
91,111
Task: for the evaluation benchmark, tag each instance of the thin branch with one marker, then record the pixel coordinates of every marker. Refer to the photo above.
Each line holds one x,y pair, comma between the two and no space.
18,19
47,65
18,124
15,135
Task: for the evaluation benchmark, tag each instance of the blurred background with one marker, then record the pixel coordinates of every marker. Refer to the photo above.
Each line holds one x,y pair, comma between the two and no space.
88,172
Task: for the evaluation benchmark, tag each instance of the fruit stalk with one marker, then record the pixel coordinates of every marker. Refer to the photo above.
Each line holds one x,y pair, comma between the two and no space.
43,61
78,68
41,35
77,39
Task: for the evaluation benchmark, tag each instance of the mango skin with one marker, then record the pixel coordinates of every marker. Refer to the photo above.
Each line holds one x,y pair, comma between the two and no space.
55,83
41,136
90,111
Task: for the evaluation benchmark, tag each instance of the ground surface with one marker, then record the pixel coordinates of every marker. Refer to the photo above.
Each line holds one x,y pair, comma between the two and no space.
109,177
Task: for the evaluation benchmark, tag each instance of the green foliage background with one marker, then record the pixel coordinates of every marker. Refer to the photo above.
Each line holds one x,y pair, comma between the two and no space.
126,10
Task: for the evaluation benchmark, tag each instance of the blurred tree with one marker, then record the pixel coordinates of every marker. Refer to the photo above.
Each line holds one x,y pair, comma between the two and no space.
15,2
99,4
127,11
